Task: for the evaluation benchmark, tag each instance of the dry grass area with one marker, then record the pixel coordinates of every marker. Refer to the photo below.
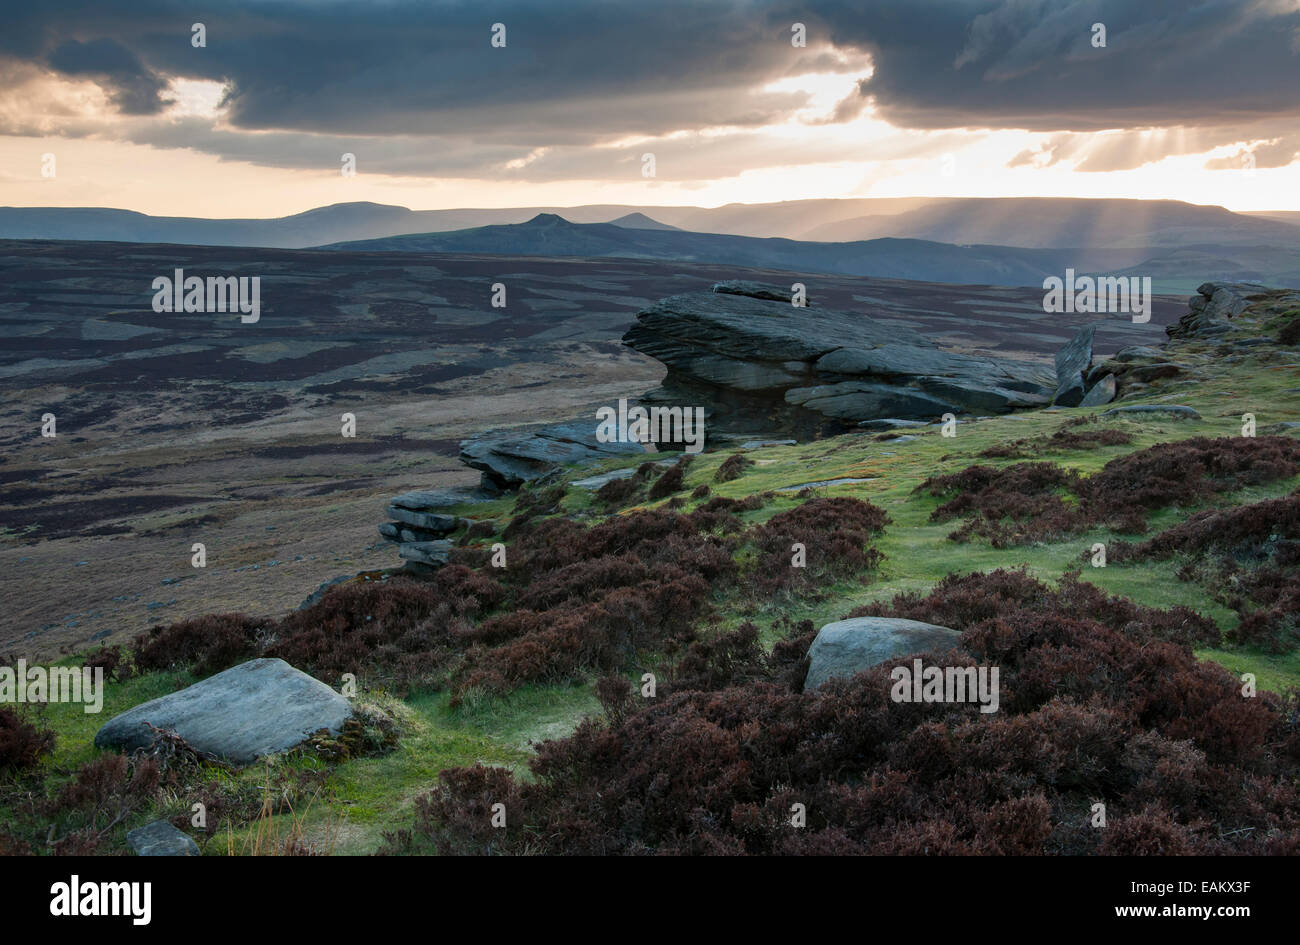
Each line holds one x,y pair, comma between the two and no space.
87,545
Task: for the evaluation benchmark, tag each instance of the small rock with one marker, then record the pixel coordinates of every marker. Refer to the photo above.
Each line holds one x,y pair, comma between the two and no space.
432,553
317,594
1103,392
161,839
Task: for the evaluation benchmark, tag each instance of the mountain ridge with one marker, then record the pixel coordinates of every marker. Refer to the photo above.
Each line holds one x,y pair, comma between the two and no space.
1176,270
1028,222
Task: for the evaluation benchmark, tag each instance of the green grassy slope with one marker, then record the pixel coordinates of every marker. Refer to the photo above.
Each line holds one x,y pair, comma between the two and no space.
351,804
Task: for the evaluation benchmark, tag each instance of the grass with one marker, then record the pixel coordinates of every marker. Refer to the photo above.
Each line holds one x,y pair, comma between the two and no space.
367,796
918,553
358,800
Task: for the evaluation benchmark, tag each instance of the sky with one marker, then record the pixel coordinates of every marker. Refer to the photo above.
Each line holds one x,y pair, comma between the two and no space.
442,103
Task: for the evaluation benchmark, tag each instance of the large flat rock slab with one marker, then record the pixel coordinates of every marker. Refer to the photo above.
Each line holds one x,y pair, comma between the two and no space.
258,708
847,647
753,357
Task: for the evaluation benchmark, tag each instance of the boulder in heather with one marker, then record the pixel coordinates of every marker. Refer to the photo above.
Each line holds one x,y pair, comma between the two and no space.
258,708
847,647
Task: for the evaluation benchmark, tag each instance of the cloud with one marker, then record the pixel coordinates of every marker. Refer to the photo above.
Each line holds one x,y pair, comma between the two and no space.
416,88
572,73
131,87
1031,64
1278,152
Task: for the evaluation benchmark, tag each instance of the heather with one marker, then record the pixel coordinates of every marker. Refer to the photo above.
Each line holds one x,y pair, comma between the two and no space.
1104,705
631,681
1041,501
21,743
1066,438
1249,556
572,598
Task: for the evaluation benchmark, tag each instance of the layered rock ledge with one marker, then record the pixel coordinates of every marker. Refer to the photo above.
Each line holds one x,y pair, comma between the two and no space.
754,359
1214,306
508,459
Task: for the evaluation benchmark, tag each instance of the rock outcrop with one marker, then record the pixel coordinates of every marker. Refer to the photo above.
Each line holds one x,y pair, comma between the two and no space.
1128,371
1072,363
846,647
419,527
1214,306
258,708
757,361
508,459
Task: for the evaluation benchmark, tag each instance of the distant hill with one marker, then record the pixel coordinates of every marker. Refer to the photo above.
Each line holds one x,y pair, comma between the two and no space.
639,221
1041,223
339,221
551,235
1284,216
1058,222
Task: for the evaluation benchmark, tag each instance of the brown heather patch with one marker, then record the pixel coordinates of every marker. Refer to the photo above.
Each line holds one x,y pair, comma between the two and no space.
1102,700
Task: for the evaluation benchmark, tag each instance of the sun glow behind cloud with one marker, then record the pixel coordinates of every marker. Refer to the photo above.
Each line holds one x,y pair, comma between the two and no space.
196,97
831,144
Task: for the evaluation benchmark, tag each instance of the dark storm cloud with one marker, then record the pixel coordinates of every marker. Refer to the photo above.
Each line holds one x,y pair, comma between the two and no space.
134,89
580,72
1031,63
571,70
